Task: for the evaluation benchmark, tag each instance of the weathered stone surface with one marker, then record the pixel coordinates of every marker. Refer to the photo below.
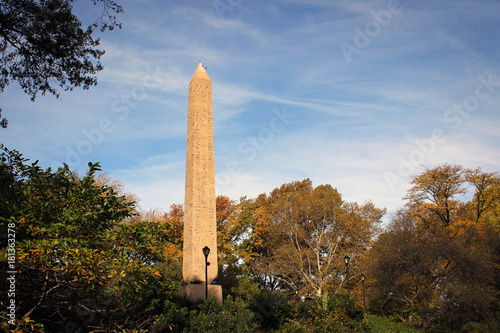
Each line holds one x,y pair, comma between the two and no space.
200,228
197,291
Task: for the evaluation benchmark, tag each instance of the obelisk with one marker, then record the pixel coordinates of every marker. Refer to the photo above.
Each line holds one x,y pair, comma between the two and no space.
200,229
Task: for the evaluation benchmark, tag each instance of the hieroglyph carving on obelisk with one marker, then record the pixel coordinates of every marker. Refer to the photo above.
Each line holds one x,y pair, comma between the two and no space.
200,228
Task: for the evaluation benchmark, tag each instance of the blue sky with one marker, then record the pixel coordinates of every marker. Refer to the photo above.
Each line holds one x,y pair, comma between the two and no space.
357,94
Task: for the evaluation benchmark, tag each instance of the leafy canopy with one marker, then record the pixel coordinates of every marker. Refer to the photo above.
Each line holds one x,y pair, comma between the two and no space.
439,257
44,47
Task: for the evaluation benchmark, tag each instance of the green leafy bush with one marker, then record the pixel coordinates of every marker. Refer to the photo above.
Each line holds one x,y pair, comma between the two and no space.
338,314
181,315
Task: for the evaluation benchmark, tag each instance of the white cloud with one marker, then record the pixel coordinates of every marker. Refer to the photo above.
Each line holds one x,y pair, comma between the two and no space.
354,122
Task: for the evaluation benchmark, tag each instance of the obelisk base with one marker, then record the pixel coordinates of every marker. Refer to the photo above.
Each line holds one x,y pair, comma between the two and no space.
196,292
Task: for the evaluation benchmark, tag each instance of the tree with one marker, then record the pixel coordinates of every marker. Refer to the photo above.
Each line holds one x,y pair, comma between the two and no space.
398,262
43,45
229,234
300,235
72,263
433,197
230,230
487,191
439,255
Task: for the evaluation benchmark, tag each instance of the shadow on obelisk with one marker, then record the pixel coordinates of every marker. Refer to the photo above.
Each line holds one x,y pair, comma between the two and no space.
200,229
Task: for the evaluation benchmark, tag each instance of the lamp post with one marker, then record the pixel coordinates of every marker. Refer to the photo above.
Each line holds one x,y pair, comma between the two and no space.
346,261
362,277
206,252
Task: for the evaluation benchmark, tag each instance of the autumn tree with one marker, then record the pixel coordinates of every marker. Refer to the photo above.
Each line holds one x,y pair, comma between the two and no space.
300,234
398,262
433,197
231,229
440,253
171,224
486,186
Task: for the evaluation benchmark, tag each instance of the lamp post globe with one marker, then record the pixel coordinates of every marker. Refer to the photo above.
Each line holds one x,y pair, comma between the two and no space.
206,252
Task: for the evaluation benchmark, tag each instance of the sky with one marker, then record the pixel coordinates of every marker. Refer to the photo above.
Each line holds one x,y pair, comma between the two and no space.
361,95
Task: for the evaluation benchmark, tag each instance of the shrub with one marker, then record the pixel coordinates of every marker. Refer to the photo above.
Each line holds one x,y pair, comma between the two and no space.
338,314
181,315
270,309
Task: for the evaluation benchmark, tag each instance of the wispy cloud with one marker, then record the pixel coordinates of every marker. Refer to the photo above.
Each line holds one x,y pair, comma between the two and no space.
352,122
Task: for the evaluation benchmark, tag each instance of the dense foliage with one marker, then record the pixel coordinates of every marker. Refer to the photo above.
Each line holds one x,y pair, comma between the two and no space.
74,264
300,235
437,264
85,261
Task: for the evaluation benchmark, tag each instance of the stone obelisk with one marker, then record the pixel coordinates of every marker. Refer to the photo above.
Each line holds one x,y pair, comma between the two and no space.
200,229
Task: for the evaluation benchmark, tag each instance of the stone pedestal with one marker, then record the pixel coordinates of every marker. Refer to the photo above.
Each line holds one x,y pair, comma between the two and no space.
197,291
